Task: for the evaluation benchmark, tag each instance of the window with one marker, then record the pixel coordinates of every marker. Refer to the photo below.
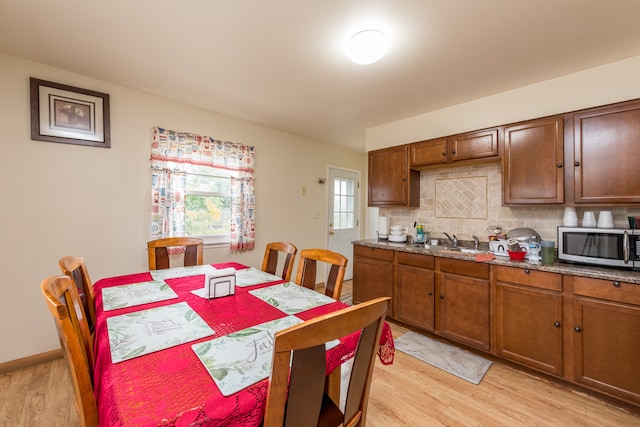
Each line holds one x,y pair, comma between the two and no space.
202,187
343,204
207,210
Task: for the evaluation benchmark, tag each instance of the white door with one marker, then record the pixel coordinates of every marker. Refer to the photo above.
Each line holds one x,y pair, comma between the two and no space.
343,213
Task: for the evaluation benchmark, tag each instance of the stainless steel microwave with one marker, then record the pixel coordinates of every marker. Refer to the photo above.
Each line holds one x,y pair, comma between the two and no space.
613,247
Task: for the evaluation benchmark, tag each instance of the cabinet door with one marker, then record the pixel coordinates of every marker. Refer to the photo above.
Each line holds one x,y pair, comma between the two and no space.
533,161
474,145
391,182
414,302
431,152
372,279
529,327
607,347
607,154
462,312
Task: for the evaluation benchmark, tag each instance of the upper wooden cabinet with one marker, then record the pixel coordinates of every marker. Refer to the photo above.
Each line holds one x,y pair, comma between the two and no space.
482,144
533,161
607,154
391,181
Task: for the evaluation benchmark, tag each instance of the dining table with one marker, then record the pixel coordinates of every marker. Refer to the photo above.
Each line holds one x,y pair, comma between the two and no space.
167,356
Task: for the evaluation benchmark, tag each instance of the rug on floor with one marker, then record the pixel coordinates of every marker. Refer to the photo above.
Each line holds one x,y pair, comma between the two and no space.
458,362
346,298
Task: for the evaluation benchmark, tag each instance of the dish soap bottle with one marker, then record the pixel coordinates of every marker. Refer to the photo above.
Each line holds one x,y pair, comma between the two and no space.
534,250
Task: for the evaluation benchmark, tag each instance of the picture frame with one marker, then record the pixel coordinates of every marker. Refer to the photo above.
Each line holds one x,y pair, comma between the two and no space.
69,115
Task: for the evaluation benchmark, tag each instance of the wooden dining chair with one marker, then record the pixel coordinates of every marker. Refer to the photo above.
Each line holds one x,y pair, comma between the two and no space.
159,251
307,267
65,306
272,255
76,269
296,394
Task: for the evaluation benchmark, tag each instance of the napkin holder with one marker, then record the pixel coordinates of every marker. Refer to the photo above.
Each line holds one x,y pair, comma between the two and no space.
220,283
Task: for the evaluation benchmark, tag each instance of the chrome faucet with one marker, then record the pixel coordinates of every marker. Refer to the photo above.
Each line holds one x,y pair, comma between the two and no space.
476,242
453,240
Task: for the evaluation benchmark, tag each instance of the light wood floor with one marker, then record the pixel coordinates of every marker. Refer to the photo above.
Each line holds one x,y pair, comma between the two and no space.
407,393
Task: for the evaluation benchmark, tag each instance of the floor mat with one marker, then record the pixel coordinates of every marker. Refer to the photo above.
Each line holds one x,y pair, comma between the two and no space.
458,362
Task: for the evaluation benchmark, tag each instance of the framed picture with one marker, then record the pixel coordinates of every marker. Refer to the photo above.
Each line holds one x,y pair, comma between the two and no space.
70,115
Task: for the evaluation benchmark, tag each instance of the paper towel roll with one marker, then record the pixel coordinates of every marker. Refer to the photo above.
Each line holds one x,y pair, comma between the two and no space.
383,226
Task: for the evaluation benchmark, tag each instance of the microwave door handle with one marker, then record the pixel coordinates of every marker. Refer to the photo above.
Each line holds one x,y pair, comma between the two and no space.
625,247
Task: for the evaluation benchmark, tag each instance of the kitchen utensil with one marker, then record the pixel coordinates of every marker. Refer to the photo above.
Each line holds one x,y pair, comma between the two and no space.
589,219
523,234
517,256
570,218
513,245
548,251
605,219
494,230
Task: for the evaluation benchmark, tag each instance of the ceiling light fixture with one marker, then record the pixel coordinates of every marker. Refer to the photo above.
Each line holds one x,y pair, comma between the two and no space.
367,46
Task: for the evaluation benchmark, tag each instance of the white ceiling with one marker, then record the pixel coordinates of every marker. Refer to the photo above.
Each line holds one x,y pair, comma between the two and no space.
280,62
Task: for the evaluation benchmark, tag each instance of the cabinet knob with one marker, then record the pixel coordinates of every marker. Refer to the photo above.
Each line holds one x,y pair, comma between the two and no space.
527,271
576,163
616,284
577,329
453,151
444,154
441,296
559,165
430,293
556,324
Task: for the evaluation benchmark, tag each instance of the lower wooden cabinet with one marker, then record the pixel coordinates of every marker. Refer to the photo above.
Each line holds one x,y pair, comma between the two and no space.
462,302
528,318
372,274
414,290
606,336
584,330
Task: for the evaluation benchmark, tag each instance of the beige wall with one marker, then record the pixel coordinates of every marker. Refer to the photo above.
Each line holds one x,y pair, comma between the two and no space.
59,199
597,86
602,85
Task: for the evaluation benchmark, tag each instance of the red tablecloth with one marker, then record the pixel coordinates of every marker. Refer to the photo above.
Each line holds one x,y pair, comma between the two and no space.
171,387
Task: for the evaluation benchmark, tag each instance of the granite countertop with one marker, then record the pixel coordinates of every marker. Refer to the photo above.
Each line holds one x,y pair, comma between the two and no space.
630,276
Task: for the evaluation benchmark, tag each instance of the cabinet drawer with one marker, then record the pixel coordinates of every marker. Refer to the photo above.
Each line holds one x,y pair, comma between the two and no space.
416,260
607,289
376,253
533,278
464,268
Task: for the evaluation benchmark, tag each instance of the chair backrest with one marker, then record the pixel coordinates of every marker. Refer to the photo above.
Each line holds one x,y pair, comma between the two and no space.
159,251
296,395
76,269
65,306
271,255
307,267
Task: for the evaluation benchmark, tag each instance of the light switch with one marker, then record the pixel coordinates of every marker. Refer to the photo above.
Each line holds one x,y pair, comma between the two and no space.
303,191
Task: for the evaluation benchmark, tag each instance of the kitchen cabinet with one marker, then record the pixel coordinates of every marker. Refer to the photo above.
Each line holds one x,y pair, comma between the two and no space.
606,336
373,274
391,181
528,318
414,290
607,154
463,302
482,144
533,162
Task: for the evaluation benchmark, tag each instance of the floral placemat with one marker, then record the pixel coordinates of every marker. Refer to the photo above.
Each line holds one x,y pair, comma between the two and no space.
172,273
242,358
145,331
136,294
291,298
252,276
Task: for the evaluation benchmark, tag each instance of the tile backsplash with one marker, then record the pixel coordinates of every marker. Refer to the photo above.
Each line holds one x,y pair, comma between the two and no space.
465,200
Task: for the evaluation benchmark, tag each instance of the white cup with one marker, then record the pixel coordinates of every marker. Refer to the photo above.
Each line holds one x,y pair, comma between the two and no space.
570,218
605,219
589,219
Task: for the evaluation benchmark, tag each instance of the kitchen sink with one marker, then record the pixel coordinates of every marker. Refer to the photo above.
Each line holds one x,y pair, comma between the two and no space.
472,251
